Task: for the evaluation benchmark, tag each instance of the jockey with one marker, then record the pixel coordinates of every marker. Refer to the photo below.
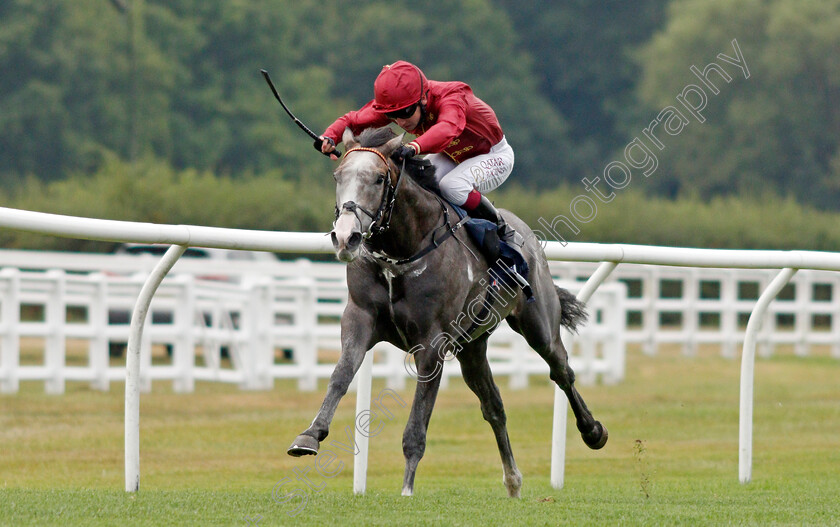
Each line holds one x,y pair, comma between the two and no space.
459,131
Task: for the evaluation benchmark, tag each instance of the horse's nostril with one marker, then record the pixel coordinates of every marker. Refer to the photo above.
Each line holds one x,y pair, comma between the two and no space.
354,240
334,239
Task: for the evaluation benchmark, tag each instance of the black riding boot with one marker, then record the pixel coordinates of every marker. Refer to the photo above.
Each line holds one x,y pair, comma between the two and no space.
486,211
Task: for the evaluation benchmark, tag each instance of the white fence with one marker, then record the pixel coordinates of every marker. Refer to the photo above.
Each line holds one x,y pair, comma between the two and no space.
695,306
274,321
182,236
271,312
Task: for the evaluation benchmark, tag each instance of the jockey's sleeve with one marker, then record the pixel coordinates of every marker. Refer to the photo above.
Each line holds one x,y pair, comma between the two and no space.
357,121
450,123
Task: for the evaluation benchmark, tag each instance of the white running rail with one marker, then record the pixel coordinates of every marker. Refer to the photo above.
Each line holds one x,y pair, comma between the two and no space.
184,235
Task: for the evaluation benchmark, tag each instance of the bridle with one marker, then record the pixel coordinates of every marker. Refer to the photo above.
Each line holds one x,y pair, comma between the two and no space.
381,220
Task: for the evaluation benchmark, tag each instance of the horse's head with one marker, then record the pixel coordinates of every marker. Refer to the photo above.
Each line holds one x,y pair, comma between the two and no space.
364,184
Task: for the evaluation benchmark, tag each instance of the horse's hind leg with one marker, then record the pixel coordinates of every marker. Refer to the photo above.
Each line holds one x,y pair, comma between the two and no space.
476,372
539,323
594,433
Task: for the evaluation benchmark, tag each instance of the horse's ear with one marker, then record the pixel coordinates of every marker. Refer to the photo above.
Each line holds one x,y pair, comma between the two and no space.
348,139
389,147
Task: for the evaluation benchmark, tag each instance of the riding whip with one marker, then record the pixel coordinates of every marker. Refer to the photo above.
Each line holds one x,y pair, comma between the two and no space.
297,121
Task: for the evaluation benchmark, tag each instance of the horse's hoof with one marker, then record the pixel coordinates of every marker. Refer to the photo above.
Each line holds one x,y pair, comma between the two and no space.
597,438
304,445
513,483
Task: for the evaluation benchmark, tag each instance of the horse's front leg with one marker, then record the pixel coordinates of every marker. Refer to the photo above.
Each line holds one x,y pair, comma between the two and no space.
429,364
358,335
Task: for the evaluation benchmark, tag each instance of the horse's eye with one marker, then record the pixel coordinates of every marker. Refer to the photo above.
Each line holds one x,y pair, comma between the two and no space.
380,179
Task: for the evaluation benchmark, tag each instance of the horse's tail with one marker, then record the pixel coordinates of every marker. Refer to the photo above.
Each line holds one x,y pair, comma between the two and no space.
572,310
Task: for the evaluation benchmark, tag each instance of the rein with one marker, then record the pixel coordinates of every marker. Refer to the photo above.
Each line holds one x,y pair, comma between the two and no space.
386,210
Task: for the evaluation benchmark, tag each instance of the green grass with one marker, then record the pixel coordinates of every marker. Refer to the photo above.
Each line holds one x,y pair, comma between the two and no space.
212,457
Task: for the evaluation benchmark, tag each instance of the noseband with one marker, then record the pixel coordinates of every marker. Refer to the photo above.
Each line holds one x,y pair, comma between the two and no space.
382,217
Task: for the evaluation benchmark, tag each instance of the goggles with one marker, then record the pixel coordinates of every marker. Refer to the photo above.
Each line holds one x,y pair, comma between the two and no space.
405,113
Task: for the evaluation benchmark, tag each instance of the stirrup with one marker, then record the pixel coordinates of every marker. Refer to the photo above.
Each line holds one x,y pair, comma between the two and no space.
520,281
523,285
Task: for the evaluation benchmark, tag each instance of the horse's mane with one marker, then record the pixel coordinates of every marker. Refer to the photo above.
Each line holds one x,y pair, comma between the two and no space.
420,170
373,137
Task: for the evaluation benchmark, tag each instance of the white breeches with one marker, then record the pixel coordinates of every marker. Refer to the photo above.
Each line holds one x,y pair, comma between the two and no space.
483,173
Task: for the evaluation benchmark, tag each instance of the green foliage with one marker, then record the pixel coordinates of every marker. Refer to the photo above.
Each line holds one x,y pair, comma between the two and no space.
151,191
180,80
748,222
775,130
581,51
172,88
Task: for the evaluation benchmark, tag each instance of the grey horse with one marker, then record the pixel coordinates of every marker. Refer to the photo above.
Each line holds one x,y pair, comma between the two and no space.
411,285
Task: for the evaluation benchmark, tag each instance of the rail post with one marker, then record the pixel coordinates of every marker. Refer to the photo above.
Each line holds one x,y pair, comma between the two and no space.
748,372
132,366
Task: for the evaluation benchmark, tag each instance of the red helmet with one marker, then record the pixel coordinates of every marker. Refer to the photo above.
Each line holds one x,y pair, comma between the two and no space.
398,86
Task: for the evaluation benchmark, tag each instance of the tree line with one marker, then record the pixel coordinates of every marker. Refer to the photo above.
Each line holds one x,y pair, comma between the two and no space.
90,84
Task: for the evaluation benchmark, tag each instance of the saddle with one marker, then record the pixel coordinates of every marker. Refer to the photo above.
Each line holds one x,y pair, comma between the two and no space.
506,264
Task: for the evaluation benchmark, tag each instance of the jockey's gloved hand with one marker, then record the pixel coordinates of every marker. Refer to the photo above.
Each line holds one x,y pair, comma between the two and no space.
403,152
319,144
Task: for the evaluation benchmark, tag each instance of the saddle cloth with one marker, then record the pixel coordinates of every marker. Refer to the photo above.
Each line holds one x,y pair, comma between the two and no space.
504,259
